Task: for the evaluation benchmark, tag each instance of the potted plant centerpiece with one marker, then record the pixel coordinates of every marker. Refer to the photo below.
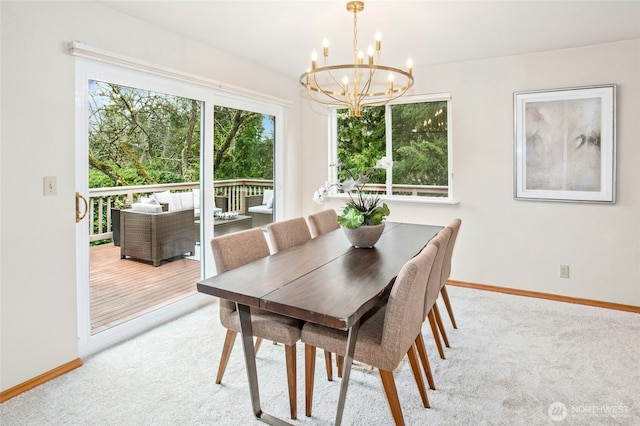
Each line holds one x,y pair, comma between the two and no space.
362,219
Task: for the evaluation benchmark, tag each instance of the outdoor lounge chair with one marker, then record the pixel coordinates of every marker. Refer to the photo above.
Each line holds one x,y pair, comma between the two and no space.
154,237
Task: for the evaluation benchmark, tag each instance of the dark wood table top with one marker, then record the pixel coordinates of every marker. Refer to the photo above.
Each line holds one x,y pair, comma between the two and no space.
325,280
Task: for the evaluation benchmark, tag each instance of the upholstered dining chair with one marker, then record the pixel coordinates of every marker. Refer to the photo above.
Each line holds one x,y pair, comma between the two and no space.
446,267
323,222
440,242
446,271
288,233
234,250
385,337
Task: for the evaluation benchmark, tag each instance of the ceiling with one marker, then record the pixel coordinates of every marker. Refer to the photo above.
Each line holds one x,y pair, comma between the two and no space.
281,34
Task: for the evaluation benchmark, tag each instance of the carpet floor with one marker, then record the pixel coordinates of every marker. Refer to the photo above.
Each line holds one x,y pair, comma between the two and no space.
513,361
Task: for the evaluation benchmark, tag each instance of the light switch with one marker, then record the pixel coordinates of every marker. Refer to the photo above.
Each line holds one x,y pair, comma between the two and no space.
50,185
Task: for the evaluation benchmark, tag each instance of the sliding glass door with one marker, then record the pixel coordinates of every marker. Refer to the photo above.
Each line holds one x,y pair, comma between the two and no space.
148,147
141,146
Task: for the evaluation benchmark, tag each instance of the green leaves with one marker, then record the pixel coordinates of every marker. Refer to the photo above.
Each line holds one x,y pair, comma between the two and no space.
353,218
377,215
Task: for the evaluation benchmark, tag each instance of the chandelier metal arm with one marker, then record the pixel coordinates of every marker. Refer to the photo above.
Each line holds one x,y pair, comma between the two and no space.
366,88
310,78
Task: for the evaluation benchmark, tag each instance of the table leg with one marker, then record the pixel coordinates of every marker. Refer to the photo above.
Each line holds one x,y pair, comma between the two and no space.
348,360
246,329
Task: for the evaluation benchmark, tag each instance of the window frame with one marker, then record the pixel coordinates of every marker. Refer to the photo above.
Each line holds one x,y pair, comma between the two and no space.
332,172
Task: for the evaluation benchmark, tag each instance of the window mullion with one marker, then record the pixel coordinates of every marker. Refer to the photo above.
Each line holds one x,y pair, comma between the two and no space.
388,148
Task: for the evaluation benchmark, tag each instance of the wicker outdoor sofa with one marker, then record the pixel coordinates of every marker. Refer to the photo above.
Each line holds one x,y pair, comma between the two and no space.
154,237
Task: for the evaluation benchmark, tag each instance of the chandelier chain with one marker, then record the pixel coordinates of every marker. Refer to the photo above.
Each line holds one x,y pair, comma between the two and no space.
355,36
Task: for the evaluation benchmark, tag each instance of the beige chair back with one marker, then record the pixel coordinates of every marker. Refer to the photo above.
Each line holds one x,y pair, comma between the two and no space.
288,233
234,250
454,227
323,222
403,318
440,241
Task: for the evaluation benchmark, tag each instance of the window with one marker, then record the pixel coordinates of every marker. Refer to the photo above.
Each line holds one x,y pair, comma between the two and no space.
414,134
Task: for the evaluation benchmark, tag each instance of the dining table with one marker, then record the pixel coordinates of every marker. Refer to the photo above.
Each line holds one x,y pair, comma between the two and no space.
324,281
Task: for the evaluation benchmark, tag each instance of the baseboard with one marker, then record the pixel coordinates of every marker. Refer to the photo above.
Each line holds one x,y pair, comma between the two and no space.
37,381
549,296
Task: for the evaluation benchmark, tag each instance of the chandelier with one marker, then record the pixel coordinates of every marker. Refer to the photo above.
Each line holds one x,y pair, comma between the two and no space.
363,83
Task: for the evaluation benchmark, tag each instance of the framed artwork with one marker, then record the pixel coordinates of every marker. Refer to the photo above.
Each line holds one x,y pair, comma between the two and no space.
565,144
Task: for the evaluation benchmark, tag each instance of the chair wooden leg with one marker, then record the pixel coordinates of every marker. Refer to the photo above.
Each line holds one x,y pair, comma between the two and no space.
290,355
392,396
309,374
327,362
339,364
415,368
422,353
436,313
229,340
436,335
447,304
256,345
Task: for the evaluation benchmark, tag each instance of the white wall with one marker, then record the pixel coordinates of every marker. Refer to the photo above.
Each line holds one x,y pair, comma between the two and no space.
521,244
503,242
37,239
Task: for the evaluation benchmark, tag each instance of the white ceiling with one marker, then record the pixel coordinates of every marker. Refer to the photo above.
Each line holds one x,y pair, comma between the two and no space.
281,34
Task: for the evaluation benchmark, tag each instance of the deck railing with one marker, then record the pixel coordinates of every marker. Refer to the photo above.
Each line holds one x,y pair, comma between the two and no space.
232,191
408,190
102,200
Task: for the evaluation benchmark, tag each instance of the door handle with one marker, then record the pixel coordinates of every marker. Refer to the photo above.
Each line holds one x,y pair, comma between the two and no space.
86,207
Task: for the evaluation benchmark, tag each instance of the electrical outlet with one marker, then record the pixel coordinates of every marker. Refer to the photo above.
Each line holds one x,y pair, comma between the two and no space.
50,185
564,271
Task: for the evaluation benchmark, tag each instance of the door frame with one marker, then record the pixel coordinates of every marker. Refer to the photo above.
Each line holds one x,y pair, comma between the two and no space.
92,70
240,102
107,66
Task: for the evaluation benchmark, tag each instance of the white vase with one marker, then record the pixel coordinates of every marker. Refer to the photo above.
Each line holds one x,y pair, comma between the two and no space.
364,236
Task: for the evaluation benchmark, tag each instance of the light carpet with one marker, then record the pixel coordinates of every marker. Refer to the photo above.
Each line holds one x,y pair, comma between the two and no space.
512,361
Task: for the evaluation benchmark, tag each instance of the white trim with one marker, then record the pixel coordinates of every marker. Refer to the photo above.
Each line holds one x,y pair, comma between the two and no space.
429,97
83,50
142,323
91,70
400,198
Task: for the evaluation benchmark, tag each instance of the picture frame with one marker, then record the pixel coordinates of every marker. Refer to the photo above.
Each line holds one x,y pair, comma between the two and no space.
565,144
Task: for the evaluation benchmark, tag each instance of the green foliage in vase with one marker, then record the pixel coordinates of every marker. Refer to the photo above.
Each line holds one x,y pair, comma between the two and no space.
362,209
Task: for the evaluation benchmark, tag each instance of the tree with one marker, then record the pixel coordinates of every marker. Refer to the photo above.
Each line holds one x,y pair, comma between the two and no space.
138,137
141,137
361,141
242,145
419,138
420,143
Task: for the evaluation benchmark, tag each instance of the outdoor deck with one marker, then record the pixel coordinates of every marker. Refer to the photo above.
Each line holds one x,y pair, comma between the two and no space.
122,289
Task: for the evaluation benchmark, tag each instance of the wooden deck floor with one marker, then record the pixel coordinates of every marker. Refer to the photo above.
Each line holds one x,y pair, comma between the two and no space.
122,289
